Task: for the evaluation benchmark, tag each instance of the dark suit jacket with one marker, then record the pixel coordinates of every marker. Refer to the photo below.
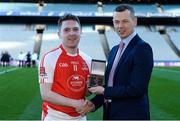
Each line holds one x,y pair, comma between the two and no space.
129,93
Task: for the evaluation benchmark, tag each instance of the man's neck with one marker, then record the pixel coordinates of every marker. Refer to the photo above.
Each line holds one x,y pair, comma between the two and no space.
70,50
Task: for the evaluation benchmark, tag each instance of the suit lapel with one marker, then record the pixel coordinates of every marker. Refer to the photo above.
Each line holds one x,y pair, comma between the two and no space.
113,55
111,58
129,48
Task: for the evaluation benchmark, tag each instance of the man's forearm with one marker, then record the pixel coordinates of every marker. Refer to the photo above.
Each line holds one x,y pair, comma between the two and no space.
55,98
58,99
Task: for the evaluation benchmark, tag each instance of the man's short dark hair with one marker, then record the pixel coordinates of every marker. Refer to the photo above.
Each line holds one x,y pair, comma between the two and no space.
68,16
123,7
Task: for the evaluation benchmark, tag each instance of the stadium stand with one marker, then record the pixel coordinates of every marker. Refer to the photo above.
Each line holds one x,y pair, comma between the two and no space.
142,29
161,49
33,7
95,1
68,7
173,28
140,8
175,37
90,44
50,41
15,38
112,38
171,9
18,7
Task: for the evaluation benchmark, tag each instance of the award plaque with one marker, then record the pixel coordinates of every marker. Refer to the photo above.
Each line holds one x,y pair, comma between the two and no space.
97,73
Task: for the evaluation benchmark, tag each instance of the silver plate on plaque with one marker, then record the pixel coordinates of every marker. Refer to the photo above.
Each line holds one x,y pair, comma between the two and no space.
97,73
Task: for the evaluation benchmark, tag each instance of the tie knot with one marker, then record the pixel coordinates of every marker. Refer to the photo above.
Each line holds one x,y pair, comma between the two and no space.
121,44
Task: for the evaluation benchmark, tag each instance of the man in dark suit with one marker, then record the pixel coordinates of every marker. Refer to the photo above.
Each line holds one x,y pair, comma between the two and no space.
125,94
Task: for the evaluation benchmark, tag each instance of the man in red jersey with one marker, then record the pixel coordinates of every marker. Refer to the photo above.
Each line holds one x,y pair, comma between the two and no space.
63,73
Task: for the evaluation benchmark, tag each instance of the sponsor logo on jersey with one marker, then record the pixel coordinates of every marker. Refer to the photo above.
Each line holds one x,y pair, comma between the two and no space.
76,83
63,64
75,62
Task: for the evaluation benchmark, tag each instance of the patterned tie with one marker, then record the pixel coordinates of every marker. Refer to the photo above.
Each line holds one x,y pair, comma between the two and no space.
116,61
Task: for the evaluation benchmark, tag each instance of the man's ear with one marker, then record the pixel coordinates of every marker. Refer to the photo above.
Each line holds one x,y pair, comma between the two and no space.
135,21
58,33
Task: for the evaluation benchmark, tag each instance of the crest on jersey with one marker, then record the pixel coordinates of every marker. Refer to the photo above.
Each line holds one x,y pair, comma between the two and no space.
42,71
85,67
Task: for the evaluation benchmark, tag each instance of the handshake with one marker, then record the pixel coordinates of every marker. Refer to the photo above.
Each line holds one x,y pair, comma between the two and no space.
85,106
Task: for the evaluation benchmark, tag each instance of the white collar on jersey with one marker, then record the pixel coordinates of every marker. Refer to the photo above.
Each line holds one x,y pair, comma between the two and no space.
71,54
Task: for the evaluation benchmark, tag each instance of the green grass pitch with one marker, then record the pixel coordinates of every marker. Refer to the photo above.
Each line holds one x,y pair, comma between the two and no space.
20,98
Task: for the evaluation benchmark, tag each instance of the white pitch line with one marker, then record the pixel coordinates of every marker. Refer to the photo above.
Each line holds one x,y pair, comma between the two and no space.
9,70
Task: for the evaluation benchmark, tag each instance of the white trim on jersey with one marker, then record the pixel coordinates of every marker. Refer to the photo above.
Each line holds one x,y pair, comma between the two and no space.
49,62
57,115
87,58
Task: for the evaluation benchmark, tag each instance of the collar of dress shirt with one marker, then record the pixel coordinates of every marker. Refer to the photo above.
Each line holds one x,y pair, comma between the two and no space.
128,39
